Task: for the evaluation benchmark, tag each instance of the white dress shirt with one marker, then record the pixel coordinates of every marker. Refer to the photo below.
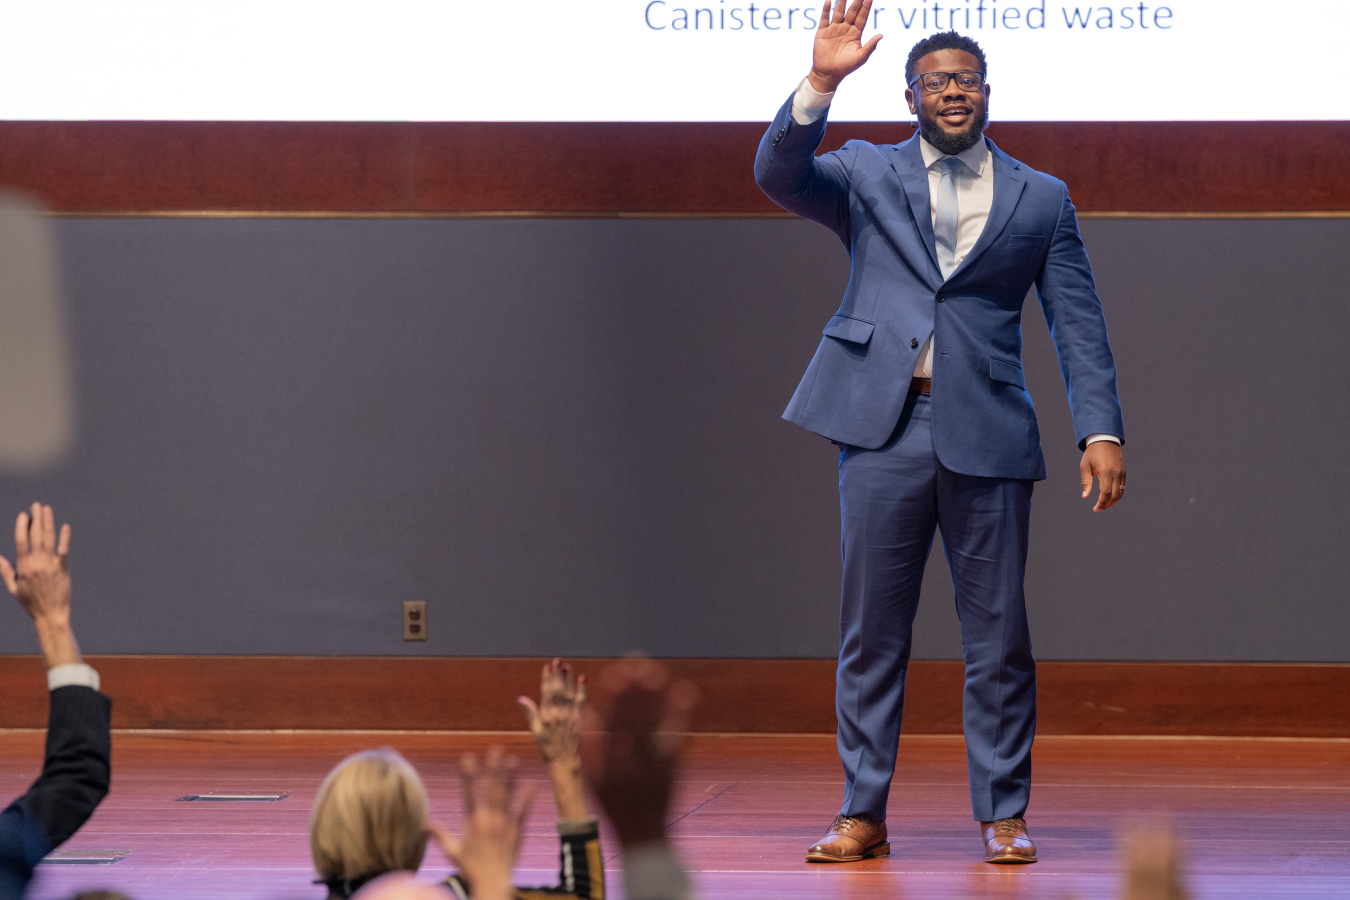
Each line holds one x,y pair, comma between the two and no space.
72,674
974,196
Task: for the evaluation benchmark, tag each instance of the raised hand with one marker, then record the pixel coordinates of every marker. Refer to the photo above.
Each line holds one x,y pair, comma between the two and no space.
492,830
839,49
39,578
631,750
555,721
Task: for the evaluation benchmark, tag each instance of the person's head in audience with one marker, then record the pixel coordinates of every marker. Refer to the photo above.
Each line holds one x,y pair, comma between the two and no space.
401,886
369,818
100,895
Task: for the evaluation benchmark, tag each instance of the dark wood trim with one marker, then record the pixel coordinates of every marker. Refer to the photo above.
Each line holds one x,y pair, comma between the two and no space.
739,695
635,168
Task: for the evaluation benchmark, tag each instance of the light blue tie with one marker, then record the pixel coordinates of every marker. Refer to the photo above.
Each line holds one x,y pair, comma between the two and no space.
944,223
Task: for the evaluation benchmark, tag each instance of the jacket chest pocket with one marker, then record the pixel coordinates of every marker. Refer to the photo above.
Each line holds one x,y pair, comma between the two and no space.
1007,371
847,328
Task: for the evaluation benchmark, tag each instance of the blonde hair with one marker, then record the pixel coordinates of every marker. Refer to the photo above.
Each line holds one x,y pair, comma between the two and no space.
370,817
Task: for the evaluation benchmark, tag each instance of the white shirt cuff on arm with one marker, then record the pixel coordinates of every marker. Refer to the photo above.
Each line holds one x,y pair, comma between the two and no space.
651,872
808,104
1094,438
72,674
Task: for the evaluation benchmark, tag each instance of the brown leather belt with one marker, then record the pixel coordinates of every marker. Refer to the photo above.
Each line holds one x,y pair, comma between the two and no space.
921,385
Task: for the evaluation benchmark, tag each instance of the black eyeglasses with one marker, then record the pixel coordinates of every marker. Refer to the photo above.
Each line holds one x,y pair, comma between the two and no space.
934,82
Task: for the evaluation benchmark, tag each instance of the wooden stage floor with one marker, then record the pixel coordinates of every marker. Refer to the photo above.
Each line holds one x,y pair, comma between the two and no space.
1263,817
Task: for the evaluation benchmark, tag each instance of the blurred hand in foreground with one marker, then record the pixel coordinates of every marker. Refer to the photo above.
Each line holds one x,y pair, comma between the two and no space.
487,852
630,747
1153,861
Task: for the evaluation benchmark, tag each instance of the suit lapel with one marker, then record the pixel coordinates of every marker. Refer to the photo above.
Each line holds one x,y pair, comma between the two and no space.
1009,180
907,161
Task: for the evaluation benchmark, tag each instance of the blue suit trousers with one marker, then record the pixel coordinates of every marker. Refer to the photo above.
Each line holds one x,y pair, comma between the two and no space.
891,500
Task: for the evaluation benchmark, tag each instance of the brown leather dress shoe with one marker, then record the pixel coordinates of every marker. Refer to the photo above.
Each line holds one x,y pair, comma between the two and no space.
849,840
1007,841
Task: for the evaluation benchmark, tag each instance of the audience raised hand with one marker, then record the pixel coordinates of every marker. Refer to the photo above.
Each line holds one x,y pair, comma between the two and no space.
77,769
630,754
555,722
39,579
493,825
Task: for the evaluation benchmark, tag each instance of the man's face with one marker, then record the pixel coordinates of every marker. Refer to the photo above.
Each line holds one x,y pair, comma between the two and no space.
952,120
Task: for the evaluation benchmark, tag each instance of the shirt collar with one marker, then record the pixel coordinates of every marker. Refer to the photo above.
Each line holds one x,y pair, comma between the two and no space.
974,158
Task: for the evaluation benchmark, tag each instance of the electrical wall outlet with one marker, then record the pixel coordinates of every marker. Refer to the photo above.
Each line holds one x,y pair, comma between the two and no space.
414,620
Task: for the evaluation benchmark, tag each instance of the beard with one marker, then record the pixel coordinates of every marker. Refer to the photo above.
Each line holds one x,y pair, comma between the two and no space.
954,143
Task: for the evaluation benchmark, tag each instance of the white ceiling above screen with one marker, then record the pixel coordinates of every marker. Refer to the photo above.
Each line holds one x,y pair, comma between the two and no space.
631,60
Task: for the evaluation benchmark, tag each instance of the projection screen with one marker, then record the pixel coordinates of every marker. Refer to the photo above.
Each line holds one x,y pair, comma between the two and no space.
647,60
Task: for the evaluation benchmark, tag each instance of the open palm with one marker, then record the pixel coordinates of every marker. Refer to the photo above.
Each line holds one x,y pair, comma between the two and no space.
839,49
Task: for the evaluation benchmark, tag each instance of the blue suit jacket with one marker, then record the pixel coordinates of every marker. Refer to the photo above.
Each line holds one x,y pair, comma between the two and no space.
875,199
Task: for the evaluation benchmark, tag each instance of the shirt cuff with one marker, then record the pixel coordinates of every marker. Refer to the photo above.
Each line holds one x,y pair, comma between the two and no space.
808,104
1094,438
574,827
652,872
72,675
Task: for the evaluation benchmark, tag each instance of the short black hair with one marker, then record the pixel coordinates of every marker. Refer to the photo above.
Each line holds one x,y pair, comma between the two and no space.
943,40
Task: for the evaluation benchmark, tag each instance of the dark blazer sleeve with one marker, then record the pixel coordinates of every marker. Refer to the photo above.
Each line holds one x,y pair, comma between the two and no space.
75,778
789,172
1073,311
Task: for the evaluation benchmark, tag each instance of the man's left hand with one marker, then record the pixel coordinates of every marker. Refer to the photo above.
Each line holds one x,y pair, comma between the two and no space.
1104,461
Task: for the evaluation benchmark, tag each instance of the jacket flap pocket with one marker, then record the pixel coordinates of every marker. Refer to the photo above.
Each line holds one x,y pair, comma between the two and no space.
1006,371
1025,240
847,329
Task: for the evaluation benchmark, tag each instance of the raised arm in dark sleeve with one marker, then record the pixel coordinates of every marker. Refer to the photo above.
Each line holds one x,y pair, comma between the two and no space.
75,772
789,172
74,780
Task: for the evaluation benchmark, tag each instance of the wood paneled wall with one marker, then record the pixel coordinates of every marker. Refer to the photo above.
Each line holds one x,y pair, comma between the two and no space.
738,695
626,168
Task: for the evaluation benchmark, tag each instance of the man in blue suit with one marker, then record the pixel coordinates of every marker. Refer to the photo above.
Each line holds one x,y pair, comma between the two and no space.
918,379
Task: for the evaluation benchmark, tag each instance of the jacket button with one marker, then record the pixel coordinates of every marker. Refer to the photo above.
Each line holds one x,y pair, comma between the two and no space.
942,298
913,342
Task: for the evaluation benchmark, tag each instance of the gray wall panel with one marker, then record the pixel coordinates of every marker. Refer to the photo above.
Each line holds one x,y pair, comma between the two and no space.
564,435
